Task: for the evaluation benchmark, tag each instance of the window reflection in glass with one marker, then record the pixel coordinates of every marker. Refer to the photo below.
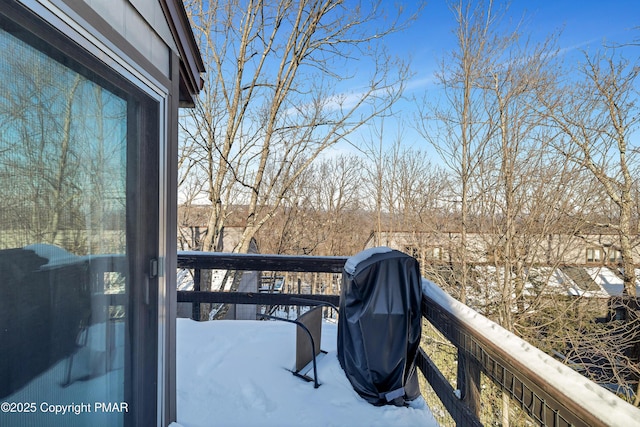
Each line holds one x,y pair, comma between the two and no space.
63,269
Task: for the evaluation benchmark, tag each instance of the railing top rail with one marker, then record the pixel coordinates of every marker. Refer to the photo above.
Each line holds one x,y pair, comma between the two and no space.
260,262
256,298
584,399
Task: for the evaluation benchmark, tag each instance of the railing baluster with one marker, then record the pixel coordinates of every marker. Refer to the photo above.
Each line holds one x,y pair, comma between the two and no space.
469,381
195,307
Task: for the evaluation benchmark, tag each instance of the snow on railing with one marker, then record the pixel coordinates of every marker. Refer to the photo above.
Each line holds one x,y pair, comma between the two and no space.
550,392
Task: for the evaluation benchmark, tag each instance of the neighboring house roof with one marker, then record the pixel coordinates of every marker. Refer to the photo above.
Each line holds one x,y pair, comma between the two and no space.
609,281
191,64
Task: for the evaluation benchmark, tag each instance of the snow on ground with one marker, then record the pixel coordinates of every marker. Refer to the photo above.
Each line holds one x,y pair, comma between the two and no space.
185,280
237,373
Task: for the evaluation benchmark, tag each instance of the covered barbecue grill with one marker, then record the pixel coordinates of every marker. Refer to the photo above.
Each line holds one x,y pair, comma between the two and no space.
379,325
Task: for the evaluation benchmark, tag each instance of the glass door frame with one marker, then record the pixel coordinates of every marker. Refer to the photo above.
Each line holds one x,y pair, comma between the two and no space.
68,33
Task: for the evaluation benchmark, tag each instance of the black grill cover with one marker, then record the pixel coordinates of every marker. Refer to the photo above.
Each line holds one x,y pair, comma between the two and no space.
380,324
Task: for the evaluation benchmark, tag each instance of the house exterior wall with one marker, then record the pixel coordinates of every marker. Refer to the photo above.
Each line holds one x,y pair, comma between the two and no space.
142,22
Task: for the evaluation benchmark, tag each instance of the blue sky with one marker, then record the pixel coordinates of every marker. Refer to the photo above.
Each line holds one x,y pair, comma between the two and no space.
583,25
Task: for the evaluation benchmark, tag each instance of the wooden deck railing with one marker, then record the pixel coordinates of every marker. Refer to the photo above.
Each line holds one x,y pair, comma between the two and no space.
551,393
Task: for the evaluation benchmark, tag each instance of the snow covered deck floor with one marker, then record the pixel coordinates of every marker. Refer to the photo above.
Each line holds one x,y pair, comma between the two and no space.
237,373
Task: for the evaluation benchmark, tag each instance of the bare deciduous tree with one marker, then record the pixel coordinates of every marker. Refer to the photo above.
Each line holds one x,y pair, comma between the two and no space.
519,76
277,95
595,118
62,142
321,215
460,128
403,189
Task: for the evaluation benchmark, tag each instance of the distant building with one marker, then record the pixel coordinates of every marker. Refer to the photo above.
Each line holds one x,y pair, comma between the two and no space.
588,264
483,248
192,226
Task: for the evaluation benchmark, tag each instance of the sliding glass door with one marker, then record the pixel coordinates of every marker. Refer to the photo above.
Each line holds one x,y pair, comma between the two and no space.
78,235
